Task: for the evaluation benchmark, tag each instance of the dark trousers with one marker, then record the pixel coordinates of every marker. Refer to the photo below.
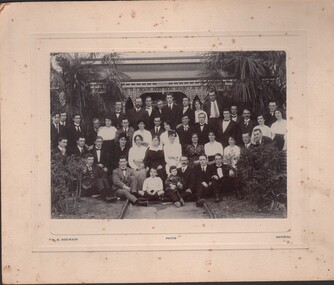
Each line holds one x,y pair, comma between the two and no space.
154,197
100,186
203,192
174,196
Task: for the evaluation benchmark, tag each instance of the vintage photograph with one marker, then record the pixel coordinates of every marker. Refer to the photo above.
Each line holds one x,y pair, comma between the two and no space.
168,135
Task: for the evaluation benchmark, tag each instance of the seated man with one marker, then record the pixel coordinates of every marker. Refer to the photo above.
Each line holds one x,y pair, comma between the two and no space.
246,139
259,139
80,149
188,178
93,181
61,148
203,175
219,178
125,184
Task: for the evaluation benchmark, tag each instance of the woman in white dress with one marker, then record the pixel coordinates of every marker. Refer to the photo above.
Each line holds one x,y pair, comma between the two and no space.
266,132
172,151
164,136
212,148
136,160
198,110
278,130
231,153
146,135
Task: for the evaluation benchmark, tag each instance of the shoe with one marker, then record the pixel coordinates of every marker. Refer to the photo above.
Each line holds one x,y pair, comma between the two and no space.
177,204
141,203
111,199
200,203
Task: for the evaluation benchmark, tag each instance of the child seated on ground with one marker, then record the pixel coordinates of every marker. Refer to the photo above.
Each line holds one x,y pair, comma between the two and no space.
173,185
152,186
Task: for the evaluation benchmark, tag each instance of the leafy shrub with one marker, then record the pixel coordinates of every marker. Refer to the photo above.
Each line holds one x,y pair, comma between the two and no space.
263,173
65,183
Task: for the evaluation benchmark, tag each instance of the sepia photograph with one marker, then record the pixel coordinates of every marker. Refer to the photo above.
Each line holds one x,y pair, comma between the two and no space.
168,135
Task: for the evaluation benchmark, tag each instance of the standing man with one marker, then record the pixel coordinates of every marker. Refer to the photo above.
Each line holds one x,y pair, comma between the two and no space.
117,115
226,128
202,129
203,175
93,131
188,179
136,114
75,131
151,113
185,131
126,130
245,126
157,130
213,107
170,111
234,114
64,124
186,110
270,117
125,184
56,129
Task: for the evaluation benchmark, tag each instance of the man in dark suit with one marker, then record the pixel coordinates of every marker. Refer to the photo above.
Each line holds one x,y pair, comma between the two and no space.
246,139
61,148
93,181
219,178
234,114
213,107
245,126
270,117
188,178
136,114
56,129
259,139
170,111
63,122
80,148
186,110
202,129
157,130
184,132
226,128
125,184
92,132
126,130
75,130
117,115
151,113
203,175
101,157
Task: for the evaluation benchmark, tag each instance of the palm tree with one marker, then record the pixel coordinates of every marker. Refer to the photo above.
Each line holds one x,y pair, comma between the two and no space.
73,73
249,70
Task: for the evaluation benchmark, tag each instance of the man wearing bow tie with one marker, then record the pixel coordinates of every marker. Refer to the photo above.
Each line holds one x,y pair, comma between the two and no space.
220,174
101,157
234,114
202,129
245,126
117,116
270,117
75,130
94,182
170,111
138,113
125,184
226,128
185,131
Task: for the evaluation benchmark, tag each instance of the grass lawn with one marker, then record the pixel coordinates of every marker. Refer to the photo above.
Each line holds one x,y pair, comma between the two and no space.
94,208
233,208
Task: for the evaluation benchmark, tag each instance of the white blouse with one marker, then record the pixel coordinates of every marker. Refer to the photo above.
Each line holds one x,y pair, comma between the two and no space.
173,153
279,127
165,140
107,133
147,136
213,148
136,156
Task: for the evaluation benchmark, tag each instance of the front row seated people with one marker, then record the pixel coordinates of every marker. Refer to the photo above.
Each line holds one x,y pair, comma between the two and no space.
152,187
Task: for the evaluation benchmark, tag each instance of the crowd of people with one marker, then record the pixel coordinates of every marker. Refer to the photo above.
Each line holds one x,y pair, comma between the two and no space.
168,153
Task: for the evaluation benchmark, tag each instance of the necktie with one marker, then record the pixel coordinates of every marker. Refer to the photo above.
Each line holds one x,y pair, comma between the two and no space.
246,123
215,110
90,168
156,130
183,169
57,127
170,106
203,169
80,150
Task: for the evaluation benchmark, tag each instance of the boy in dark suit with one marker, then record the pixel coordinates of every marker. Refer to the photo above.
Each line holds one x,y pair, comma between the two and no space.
170,111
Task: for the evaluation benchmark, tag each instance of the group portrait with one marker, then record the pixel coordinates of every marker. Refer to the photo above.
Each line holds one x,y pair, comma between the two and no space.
168,135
